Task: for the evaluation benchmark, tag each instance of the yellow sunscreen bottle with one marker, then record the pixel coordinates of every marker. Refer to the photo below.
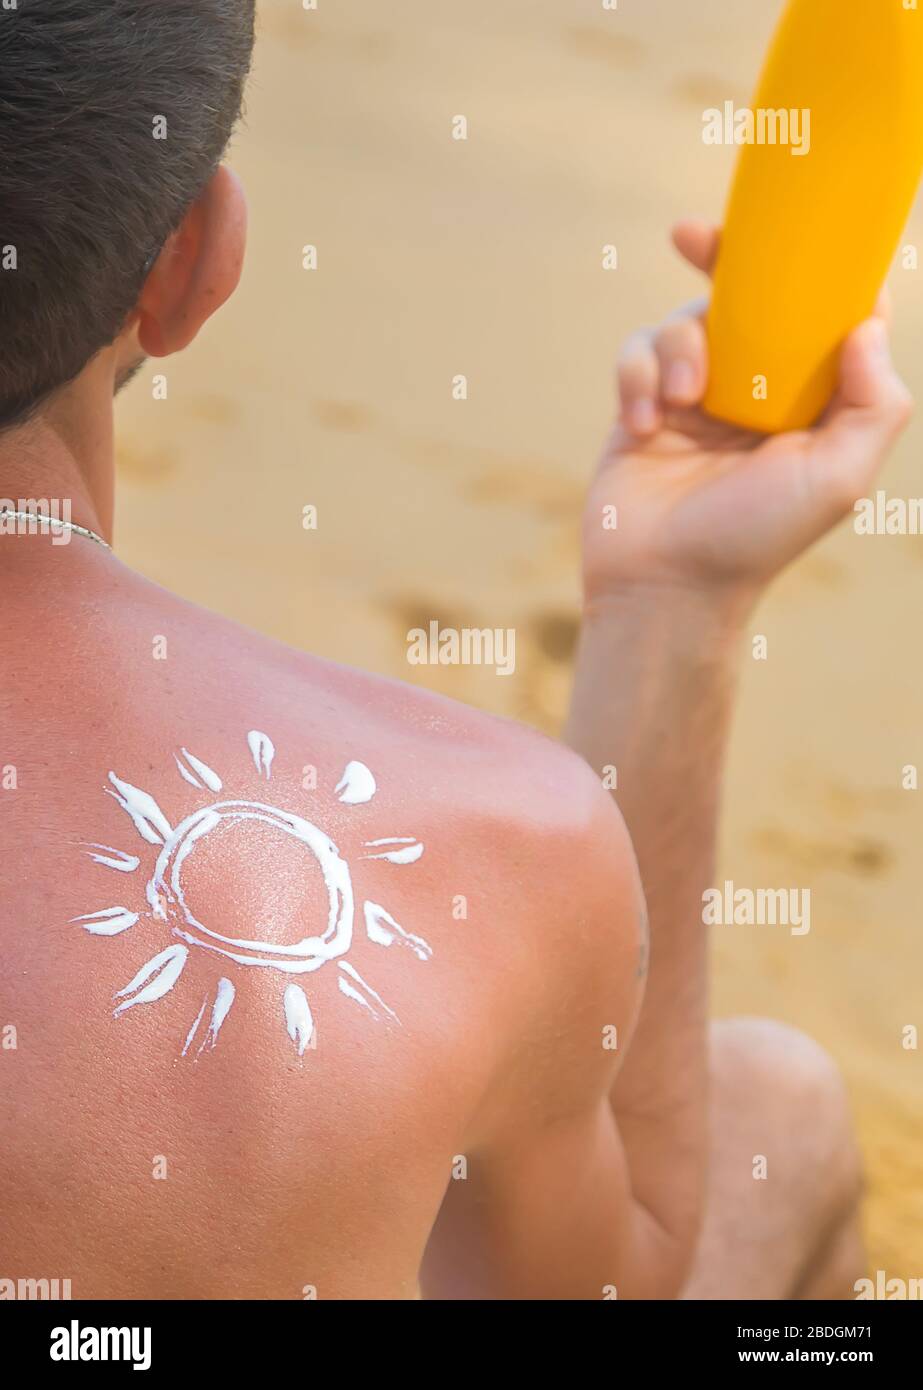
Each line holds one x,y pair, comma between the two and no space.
831,155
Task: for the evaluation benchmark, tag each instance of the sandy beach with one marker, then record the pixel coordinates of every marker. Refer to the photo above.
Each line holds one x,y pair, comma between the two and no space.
332,388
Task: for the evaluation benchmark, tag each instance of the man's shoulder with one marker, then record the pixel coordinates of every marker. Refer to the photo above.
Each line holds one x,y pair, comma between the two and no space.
452,753
504,791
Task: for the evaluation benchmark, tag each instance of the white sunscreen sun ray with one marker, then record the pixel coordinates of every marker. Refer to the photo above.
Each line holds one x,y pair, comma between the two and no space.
192,1031
224,998
357,784
261,747
409,853
162,971
109,922
150,822
298,1020
347,989
114,858
201,775
384,931
187,775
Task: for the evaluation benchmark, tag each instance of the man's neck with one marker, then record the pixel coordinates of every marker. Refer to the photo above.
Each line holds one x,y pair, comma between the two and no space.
65,457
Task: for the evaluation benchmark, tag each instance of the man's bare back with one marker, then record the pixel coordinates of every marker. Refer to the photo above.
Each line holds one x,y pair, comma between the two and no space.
193,1116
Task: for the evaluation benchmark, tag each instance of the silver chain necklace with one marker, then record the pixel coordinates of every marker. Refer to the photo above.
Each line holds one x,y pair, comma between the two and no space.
53,521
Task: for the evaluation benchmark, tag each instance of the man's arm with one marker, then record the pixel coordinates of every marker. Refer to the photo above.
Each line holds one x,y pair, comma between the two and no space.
606,1198
653,699
602,1195
705,516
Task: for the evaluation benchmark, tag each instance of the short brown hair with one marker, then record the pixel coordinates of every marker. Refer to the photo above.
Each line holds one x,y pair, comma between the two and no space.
88,192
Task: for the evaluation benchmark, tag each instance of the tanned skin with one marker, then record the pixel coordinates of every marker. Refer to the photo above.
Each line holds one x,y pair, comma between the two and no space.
570,1106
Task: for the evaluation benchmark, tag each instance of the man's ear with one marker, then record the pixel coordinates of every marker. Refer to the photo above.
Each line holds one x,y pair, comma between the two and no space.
197,270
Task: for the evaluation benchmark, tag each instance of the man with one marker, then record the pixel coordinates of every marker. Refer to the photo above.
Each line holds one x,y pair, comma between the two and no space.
314,984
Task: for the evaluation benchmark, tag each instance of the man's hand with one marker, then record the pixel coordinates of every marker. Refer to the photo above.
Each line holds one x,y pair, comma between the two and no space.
709,506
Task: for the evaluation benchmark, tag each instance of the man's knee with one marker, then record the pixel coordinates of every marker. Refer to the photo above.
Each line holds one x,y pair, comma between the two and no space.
800,1098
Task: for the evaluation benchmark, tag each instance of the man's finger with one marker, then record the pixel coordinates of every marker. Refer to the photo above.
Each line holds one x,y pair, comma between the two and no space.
639,385
697,242
683,357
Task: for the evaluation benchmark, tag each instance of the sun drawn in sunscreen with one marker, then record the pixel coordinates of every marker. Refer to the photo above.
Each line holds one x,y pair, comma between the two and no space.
185,933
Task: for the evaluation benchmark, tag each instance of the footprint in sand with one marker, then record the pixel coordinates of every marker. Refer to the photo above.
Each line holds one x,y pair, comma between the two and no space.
860,856
555,498
704,90
145,466
555,635
619,50
347,416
